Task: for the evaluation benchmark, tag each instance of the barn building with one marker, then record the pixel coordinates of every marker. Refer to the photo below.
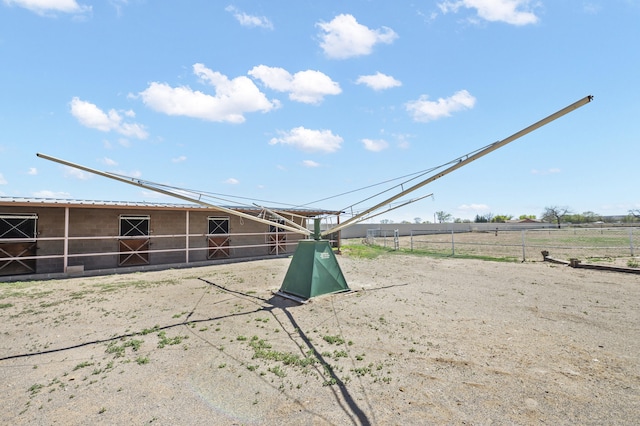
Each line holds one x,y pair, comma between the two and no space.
51,238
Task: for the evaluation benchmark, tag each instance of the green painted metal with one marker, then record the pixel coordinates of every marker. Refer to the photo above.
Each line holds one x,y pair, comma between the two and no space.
316,229
313,271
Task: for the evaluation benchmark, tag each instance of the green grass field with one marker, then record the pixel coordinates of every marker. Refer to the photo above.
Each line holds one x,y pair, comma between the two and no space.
614,245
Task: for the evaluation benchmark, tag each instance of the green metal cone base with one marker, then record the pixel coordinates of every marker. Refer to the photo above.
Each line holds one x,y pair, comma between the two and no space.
314,271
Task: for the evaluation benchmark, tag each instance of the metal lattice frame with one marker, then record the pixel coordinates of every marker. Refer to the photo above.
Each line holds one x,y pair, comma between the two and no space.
10,255
134,252
23,229
18,226
277,238
218,238
133,249
134,226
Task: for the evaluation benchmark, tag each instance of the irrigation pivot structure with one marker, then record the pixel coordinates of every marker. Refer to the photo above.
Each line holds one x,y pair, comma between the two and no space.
464,160
314,269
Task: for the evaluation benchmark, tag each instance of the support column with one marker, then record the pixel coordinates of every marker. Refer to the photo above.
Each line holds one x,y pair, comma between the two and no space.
65,254
186,244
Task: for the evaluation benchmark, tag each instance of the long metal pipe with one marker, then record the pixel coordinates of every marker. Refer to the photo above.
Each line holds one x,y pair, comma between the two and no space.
464,162
398,206
136,182
280,216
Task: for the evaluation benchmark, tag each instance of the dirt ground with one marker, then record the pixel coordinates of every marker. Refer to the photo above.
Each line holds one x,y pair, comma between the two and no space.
418,341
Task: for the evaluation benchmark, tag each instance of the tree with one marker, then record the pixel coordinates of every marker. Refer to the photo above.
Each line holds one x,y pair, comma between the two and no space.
590,217
443,216
574,218
485,218
501,218
527,216
635,213
480,219
555,214
417,219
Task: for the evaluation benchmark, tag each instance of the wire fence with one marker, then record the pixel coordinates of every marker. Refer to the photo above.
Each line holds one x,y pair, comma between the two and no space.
586,244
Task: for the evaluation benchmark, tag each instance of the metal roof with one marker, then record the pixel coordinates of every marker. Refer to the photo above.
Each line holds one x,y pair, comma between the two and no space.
29,201
62,201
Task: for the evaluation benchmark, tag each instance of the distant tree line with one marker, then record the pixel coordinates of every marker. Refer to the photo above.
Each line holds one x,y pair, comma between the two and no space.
552,214
498,218
559,215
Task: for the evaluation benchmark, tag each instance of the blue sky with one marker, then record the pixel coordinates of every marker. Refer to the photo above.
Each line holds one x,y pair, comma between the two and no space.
290,102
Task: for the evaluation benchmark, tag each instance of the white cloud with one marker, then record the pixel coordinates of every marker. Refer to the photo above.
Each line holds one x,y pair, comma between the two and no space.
305,86
89,115
3,181
550,171
76,173
43,7
378,81
232,181
32,171
153,195
474,208
249,20
232,99
514,12
424,110
118,4
375,145
109,162
591,8
51,194
403,140
132,174
344,37
309,140
310,163
179,159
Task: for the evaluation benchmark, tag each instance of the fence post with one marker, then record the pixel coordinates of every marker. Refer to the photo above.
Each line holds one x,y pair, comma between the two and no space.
453,244
523,246
631,240
411,240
